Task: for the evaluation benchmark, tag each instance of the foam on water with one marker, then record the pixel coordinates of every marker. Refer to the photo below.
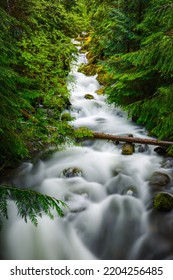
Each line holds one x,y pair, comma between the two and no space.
107,216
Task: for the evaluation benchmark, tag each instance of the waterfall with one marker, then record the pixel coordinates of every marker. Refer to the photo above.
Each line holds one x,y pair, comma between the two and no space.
109,214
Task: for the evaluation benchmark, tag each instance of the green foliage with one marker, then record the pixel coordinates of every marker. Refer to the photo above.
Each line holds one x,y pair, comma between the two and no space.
30,204
35,56
133,43
156,112
10,103
83,132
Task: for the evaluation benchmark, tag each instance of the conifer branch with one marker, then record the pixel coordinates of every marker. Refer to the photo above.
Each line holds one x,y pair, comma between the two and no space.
30,204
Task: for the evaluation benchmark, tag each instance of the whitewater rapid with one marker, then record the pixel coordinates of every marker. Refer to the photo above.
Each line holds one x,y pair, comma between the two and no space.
109,200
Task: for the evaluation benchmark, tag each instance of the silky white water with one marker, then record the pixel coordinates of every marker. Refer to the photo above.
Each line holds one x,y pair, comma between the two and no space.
110,203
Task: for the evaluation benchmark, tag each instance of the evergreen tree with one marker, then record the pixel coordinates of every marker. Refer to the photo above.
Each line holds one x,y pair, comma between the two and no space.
35,56
135,45
36,51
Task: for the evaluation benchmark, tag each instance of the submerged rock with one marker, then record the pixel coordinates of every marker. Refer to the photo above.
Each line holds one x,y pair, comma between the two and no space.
101,120
159,179
127,149
88,96
143,148
168,164
163,202
71,172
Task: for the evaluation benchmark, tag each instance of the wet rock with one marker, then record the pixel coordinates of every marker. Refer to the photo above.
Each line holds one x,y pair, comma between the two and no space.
143,148
168,164
88,96
71,172
100,91
120,114
131,191
163,202
127,149
101,120
159,179
78,210
161,150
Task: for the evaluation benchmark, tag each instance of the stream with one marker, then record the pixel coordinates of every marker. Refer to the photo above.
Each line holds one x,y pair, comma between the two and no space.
110,214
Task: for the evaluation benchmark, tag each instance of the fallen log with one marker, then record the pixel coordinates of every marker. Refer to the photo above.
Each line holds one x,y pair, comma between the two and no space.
130,139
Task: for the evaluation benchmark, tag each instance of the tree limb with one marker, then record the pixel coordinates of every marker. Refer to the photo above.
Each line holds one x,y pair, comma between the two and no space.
97,135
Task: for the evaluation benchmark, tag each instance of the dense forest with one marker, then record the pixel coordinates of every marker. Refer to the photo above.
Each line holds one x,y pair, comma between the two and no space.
132,43
129,44
35,55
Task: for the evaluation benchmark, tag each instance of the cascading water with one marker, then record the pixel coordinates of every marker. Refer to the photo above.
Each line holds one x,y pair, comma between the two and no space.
110,212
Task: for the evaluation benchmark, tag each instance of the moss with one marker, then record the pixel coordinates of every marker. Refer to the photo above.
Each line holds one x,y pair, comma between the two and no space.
88,69
66,117
163,202
88,96
127,149
100,91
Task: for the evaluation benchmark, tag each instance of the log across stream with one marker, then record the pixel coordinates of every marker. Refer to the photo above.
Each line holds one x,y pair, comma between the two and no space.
130,139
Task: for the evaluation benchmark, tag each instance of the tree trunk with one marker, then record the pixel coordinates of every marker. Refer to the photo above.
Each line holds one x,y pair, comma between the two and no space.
111,137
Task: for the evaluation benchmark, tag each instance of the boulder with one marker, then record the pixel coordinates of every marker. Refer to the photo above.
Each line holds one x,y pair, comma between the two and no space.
88,96
159,179
71,172
161,150
163,202
127,149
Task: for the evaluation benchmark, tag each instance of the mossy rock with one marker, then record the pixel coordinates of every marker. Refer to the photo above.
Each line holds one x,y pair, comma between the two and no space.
88,69
163,202
100,91
66,117
71,172
127,149
88,96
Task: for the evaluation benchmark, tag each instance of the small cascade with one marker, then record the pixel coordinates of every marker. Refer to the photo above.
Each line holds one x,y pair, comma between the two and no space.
109,214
